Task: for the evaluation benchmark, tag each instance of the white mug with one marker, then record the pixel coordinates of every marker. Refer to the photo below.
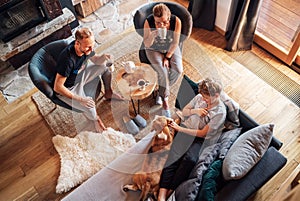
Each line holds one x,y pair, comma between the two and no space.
110,66
162,33
129,66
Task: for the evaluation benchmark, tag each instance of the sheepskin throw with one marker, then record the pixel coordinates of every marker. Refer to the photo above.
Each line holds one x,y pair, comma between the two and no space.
87,153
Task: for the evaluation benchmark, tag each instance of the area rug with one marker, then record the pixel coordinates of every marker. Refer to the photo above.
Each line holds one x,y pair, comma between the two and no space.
61,120
85,154
198,62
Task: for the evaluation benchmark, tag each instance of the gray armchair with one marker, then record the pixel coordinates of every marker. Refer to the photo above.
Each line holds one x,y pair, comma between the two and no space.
145,10
42,72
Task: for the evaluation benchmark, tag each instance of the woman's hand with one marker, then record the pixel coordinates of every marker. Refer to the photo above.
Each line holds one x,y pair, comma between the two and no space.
87,102
149,37
174,125
202,112
166,63
154,34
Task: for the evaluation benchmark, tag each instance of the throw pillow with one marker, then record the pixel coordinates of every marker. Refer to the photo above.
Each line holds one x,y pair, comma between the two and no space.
87,153
188,190
226,139
208,188
246,151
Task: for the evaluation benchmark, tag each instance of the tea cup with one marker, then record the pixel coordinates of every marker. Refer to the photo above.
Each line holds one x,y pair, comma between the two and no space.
142,84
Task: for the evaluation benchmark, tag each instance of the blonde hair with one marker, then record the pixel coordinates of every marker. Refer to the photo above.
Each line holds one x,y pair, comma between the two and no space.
209,87
83,33
160,9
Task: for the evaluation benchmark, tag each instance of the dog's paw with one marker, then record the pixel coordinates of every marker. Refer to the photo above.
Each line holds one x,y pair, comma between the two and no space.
130,187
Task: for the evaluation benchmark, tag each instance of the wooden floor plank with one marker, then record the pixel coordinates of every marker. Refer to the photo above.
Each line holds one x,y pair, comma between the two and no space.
10,175
31,194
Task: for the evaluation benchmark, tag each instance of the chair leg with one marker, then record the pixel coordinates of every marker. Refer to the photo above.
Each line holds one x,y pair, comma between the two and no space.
55,106
101,95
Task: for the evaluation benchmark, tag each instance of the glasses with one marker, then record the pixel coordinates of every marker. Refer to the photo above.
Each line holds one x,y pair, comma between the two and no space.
163,23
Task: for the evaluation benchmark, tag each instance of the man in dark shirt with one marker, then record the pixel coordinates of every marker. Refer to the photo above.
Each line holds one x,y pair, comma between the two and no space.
73,73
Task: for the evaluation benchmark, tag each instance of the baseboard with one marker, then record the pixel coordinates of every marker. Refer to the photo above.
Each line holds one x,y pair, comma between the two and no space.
220,31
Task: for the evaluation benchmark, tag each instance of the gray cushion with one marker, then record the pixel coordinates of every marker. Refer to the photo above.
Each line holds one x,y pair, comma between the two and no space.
246,151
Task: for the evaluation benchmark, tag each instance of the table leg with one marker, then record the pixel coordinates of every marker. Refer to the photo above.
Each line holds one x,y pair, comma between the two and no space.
134,107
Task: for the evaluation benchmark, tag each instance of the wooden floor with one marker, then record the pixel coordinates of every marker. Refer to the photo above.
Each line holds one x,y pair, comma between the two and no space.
30,165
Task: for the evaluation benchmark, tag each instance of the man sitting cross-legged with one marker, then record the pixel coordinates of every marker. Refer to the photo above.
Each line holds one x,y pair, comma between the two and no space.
73,73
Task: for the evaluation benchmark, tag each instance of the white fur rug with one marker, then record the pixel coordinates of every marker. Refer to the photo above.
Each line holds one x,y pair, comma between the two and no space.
85,154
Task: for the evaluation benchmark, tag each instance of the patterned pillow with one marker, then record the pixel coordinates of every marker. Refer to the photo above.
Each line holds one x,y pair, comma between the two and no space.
246,151
227,139
232,118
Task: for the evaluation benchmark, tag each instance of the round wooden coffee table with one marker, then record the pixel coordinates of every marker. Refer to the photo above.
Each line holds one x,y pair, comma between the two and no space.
128,83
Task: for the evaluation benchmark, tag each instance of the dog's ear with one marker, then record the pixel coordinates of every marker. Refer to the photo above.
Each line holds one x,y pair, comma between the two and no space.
158,123
153,125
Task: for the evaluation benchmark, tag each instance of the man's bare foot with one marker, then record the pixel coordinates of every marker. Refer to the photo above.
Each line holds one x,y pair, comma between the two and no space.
109,95
99,125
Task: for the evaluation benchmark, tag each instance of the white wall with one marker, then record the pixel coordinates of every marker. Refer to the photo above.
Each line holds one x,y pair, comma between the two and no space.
223,7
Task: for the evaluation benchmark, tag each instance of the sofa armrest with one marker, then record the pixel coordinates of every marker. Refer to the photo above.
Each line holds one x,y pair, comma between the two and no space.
247,123
262,172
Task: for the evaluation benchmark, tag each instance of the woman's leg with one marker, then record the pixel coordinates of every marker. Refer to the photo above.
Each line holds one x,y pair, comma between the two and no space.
180,146
156,60
187,163
176,66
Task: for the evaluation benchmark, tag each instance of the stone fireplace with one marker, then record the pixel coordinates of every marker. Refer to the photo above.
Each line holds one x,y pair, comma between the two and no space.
27,25
19,16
